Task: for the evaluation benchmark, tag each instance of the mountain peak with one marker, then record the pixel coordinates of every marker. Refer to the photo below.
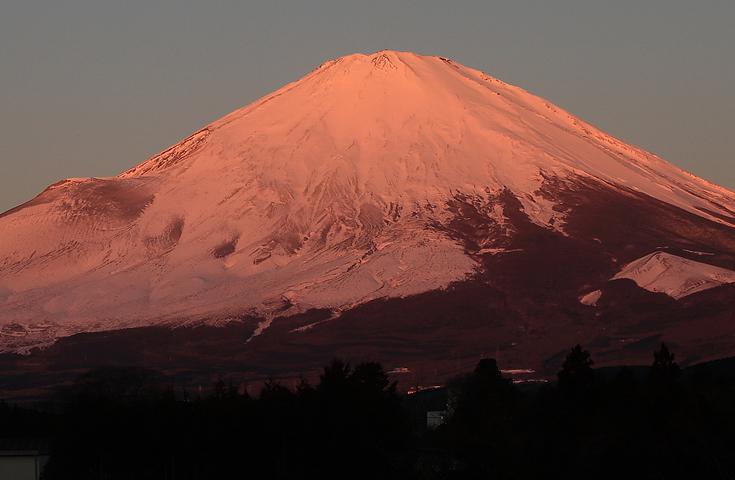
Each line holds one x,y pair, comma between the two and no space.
386,53
391,60
386,117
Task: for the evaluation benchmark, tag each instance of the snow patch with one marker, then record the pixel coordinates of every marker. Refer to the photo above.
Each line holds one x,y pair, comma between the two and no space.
590,299
263,325
675,276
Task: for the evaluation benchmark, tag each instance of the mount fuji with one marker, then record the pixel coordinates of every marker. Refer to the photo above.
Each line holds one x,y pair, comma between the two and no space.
391,206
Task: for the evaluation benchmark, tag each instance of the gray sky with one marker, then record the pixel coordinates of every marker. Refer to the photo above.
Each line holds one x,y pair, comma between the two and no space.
90,88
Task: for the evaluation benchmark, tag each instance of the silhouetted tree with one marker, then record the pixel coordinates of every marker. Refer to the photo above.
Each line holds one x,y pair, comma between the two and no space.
357,417
576,374
487,371
480,426
664,369
370,378
483,397
335,378
274,392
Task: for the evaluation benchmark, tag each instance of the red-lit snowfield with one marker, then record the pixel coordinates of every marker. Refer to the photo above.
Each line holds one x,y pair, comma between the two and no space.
511,223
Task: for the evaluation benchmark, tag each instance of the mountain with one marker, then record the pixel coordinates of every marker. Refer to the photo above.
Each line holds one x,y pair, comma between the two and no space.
392,205
675,276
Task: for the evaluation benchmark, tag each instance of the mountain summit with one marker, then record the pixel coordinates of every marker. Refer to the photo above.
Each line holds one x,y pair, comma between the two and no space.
373,177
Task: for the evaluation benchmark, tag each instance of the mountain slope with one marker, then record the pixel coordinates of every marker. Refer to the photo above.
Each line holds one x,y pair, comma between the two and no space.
374,176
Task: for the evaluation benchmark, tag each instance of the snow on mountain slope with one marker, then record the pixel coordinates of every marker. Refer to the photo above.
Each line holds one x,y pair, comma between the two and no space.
423,126
674,275
333,190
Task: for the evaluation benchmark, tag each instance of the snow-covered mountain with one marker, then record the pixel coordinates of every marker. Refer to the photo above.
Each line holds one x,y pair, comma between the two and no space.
675,276
373,177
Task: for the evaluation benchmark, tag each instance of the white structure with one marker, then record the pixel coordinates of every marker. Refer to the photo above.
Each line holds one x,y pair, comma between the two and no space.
435,418
21,464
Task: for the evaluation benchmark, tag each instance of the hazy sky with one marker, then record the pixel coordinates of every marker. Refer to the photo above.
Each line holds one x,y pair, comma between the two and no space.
90,88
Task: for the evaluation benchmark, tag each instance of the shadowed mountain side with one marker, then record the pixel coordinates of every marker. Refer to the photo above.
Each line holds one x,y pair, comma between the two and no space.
435,336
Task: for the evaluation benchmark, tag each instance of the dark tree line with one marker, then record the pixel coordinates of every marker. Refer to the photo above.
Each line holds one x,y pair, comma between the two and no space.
120,423
616,423
656,422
